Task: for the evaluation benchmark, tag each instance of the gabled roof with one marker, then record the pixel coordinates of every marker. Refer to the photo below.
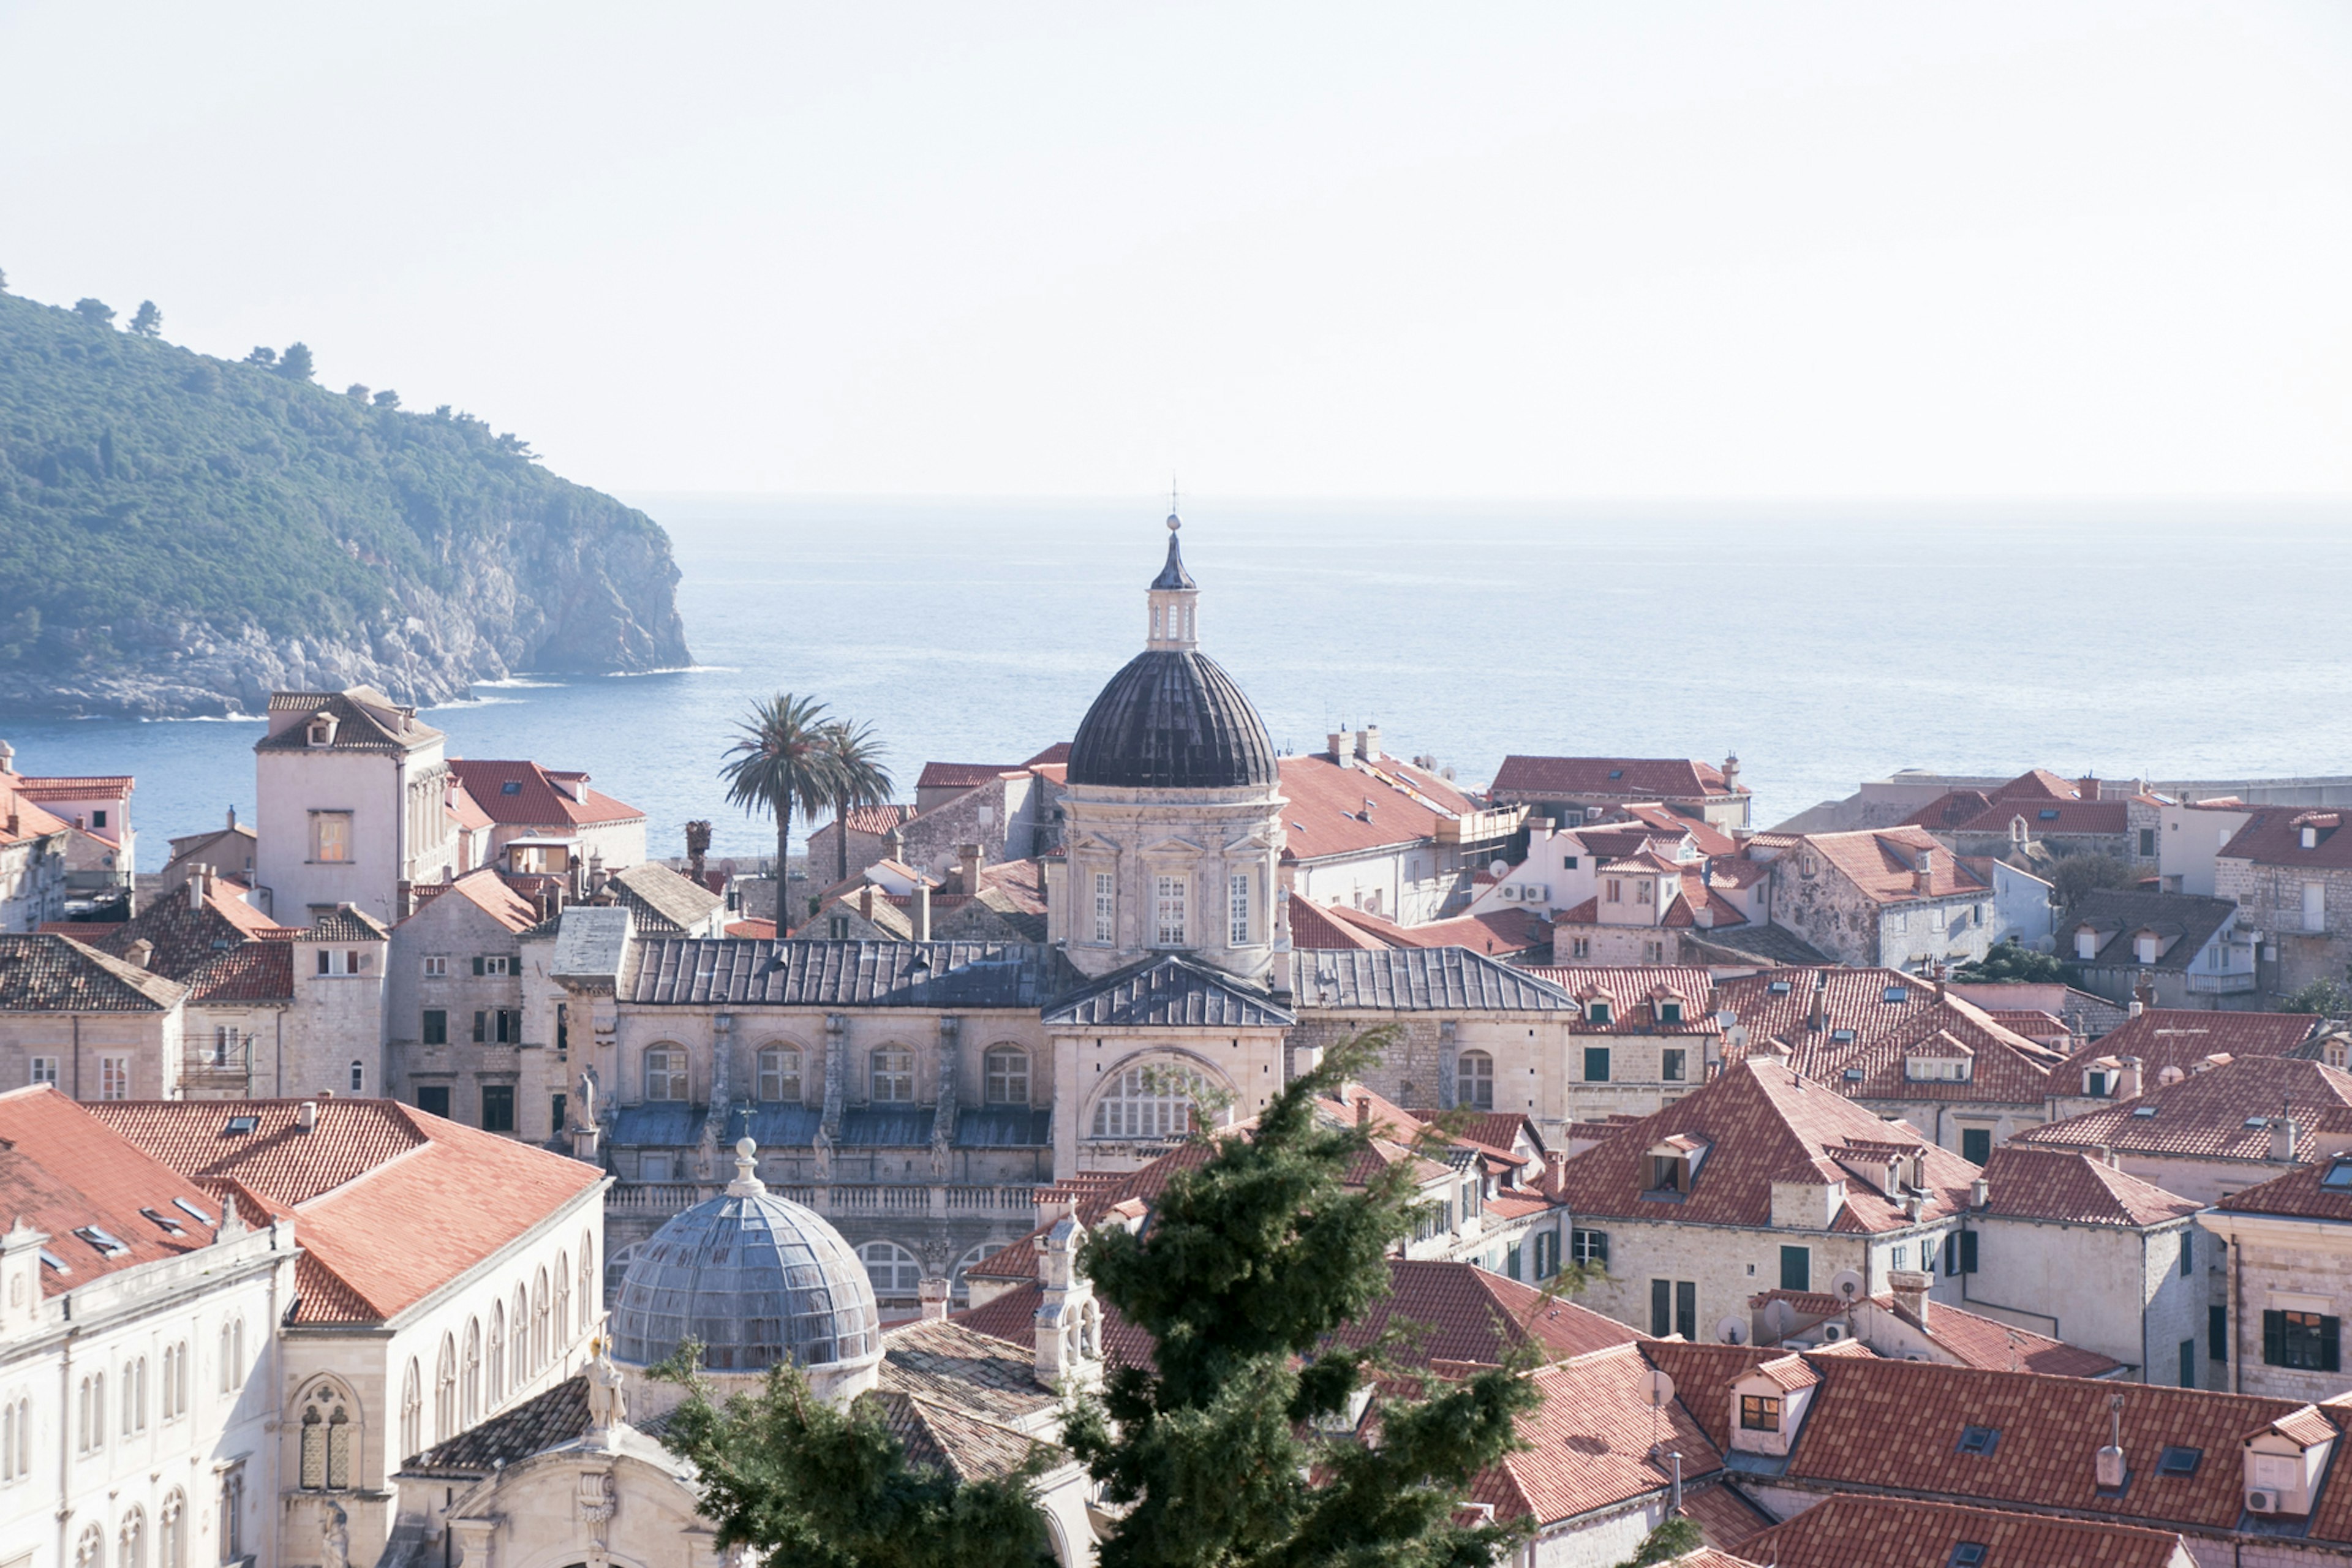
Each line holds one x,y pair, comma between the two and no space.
487,891
524,794
2181,1038
1638,778
369,1169
46,974
544,1421
2273,836
962,775
1326,816
2207,1114
344,923
1873,1021
2321,1190
1902,1533
1461,1313
1709,838
1588,1442
62,1168
1312,926
2182,923
1169,991
366,720
697,972
876,820
1761,1122
1631,991
948,1360
184,939
1420,980
942,1436
250,972
2075,1188
1882,863
663,901
1498,931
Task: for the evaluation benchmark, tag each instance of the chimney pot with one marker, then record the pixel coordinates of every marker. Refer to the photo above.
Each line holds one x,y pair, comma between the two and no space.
1343,747
933,1292
306,1118
1910,1290
2284,1136
1367,743
922,910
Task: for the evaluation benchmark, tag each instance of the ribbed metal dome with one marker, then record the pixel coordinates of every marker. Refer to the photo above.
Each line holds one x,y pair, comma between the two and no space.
1172,719
756,1278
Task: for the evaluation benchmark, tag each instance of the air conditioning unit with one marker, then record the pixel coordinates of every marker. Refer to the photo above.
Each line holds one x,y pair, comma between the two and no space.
2261,1499
1833,1332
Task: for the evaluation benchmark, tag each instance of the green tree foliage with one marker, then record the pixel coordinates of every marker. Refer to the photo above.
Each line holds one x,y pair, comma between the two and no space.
144,488
1672,1539
262,354
95,311
858,779
1250,1266
357,392
296,362
2072,875
148,320
2011,960
2329,998
387,398
782,761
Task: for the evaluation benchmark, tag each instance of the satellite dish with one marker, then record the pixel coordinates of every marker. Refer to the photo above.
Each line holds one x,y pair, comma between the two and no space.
1499,868
1846,1286
1778,1316
1732,1331
1660,1389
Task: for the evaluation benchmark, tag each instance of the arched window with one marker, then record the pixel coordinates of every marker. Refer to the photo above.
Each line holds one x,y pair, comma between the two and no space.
89,1551
1474,1080
1008,1075
587,1282
130,1543
666,1073
23,1422
134,1396
780,1075
174,1392
172,1532
11,1455
1147,1102
411,1412
358,1078
445,1391
497,1353
894,1075
894,1270
562,1296
469,1374
89,1428
227,1357
540,1342
956,1285
327,1430
518,1350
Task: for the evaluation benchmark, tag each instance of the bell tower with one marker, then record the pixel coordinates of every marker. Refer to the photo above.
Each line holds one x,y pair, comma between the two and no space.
1174,597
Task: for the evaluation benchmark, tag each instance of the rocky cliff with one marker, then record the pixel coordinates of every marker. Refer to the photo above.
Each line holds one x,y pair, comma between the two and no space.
180,535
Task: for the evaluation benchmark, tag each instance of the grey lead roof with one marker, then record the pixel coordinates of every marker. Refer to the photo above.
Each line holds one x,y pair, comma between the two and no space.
1169,990
590,943
1420,980
749,972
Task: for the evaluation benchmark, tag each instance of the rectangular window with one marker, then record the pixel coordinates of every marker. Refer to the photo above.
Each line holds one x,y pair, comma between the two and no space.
2188,1251
436,965
1105,908
1899,1258
1662,1308
1596,1064
2315,906
1568,862
331,836
436,1027
432,1099
1589,1246
1759,1412
498,1108
1168,911
1796,1268
1686,1308
1616,891
558,1107
2146,843
481,1027
113,1078
2216,1334
1967,1243
837,927
493,963
1670,1064
1546,1254
1511,1263
1237,896
1580,947
44,1070
98,818
2306,1341
2188,1363
510,1021
1976,1145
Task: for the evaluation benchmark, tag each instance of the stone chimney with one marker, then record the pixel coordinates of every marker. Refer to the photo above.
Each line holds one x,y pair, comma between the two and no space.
2284,1136
2088,786
306,1118
969,859
138,952
1555,1176
197,876
2131,1084
1731,772
1923,875
698,846
933,1292
1343,747
1367,743
922,908
1910,1294
866,897
1814,1019
232,819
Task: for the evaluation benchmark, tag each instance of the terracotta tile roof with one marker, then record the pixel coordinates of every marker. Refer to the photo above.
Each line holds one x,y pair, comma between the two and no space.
1588,1443
185,939
57,787
40,973
1463,1313
344,923
2069,817
524,794
1725,1517
1899,1532
250,972
2027,1183
2181,1038
2304,1193
1874,1020
877,820
33,821
756,931
1761,1122
1013,1318
1882,864
370,1168
2273,836
662,899
62,1168
1633,992
1501,933
1976,1341
366,720
464,810
1326,816
2044,1027
950,1361
1683,913
1607,843
2205,1115
1739,872
1639,778
487,891
963,776
1709,838
1313,926
943,1438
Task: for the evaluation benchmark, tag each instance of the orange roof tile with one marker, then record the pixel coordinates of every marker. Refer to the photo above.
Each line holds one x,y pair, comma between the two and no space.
2067,1186
62,1168
1844,1531
524,794
1588,1443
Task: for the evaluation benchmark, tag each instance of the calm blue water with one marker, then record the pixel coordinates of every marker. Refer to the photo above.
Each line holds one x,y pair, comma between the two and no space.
1824,647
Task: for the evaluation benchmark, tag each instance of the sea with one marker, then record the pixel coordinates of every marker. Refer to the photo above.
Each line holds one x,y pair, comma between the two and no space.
1822,645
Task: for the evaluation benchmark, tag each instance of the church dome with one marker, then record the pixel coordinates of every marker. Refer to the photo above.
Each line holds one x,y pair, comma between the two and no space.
755,1279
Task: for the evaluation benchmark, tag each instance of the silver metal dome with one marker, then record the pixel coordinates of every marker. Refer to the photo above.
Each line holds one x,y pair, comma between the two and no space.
754,1277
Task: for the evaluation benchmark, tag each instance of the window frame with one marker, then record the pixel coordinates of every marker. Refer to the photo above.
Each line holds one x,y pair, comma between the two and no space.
1170,924
672,1063
1005,1075
768,1074
898,1073
1759,1412
1474,1080
1106,909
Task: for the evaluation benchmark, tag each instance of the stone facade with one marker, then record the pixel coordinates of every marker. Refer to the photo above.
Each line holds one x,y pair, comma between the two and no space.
2306,937
1145,873
454,1019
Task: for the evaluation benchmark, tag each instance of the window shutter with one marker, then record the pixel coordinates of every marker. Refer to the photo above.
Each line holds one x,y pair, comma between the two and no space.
2274,1339
2329,1328
1968,1252
478,963
1662,1308
479,1023
1951,1252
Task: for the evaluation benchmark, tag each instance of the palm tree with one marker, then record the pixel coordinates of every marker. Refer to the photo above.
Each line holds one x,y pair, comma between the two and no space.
783,761
858,779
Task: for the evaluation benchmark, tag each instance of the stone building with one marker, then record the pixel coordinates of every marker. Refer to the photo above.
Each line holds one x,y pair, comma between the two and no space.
2290,872
1366,830
1896,897
101,847
2286,1279
354,806
33,845
1569,789
2167,949
91,1025
2040,817
454,1004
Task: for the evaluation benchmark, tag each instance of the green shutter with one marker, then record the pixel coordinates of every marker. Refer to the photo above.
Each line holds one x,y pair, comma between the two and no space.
2328,1331
1951,1252
1968,1252
1686,1310
2216,1334
478,963
1662,1308
2274,1339
1796,1268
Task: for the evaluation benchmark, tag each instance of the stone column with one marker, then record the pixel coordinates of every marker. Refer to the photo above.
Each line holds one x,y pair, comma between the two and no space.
1448,1053
837,1071
943,1120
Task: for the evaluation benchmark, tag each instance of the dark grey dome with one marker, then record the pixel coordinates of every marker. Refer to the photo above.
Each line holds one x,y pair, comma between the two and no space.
1172,719
755,1279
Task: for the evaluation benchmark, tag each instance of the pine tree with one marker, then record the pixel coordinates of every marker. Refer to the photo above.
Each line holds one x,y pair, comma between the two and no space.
1250,1266
296,362
147,321
96,312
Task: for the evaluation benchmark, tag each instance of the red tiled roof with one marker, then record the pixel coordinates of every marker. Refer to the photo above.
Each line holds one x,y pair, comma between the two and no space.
536,801
2026,1183
2181,1038
1463,1313
1313,926
57,787
1497,931
1056,756
2273,836
1760,1121
250,972
1588,1442
2206,1114
184,939
1982,1342
489,893
961,775
1886,1034
1725,1517
1709,838
1684,911
877,820
1639,778
466,810
1607,843
371,1169
1844,1531
33,820
1012,1317
2107,816
62,1168
42,973
1882,863
1326,812
2301,1194
759,930
1631,991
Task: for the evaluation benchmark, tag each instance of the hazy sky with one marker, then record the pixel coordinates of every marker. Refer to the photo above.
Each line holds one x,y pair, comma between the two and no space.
1781,250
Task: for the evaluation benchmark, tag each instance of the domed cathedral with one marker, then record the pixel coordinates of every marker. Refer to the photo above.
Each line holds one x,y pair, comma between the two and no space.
1173,812
1166,894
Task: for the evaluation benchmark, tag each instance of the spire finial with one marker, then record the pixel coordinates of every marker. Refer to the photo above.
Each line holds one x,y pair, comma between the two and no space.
747,1182
1174,522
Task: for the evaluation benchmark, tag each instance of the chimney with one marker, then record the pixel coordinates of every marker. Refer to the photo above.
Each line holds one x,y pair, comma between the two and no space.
2134,1009
1979,1193
1343,747
1555,1176
1363,1110
2108,1469
698,846
1367,743
232,819
2131,1085
2284,1136
138,952
1923,879
922,911
933,1292
969,859
1814,1015
196,889
1731,772
865,896
306,1118
2088,786
1910,1294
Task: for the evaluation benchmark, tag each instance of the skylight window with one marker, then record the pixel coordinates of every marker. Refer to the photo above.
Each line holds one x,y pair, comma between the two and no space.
54,1261
239,1126
1854,1075
2179,1461
2048,814
2339,1176
512,786
2143,1110
1616,772
1899,994
108,1244
1845,1036
1979,1440
192,1211
1967,1554
171,1226
2255,1123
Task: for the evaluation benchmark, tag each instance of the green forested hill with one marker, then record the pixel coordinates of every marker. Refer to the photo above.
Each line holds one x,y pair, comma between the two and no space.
180,533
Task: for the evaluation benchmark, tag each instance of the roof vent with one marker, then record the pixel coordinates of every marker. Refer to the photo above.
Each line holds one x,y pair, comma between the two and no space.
307,1117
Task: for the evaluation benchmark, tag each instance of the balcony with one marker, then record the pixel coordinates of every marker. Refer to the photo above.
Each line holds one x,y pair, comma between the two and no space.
2201,985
